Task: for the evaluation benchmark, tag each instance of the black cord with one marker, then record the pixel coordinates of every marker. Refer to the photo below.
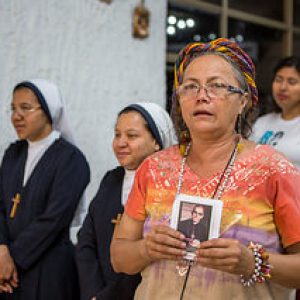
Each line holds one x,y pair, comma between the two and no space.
185,280
224,171
216,189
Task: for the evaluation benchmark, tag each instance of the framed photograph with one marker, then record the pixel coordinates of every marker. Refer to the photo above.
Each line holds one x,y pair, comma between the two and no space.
199,219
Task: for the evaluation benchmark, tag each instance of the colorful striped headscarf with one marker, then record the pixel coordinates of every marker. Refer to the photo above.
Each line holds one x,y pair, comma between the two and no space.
221,45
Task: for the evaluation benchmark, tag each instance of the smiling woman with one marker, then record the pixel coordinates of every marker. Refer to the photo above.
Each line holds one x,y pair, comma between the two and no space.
141,129
133,141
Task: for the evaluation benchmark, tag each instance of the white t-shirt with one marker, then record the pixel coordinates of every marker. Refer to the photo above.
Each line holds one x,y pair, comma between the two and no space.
283,135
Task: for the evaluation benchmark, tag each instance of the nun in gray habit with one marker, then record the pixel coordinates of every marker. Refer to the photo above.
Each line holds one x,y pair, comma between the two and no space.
98,281
42,179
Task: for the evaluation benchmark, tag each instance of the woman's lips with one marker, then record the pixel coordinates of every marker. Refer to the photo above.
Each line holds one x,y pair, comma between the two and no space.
19,128
282,97
200,113
122,154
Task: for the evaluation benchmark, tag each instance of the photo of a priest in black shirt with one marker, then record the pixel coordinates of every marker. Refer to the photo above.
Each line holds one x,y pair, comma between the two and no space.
194,227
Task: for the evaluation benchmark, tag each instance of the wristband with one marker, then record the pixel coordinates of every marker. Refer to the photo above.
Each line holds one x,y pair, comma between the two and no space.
262,267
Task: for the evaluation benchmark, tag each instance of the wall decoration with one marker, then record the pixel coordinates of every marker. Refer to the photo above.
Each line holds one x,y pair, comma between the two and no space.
141,19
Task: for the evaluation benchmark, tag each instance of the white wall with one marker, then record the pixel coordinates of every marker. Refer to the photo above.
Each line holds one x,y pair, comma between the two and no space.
86,47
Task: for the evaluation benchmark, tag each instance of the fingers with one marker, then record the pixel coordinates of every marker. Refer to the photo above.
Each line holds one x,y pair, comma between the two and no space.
219,243
163,242
166,230
220,249
14,279
166,251
8,285
6,265
8,272
5,287
227,255
166,254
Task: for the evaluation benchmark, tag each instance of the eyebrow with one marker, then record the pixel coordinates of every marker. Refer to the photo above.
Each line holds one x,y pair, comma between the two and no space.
287,78
23,102
212,78
130,130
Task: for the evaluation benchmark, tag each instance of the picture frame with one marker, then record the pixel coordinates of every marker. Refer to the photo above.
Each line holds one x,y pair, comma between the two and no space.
198,218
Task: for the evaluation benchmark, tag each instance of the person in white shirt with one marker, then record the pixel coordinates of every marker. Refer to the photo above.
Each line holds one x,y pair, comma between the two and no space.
281,127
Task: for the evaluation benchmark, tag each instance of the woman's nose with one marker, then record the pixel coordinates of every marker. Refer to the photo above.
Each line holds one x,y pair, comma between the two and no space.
122,141
16,115
283,85
202,94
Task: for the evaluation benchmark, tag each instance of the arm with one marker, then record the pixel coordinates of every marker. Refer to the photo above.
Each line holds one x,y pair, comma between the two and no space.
3,224
8,270
89,267
231,256
131,253
72,176
286,268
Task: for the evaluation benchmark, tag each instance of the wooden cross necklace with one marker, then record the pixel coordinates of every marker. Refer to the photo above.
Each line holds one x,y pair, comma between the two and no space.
16,201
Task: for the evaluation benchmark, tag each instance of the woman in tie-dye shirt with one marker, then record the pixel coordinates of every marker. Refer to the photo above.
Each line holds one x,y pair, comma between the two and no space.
214,93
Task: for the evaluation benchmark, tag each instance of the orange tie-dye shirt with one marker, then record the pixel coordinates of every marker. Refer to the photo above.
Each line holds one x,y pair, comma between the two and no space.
261,203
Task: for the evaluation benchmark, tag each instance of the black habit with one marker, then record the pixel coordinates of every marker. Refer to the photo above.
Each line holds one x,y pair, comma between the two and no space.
96,274
197,231
38,235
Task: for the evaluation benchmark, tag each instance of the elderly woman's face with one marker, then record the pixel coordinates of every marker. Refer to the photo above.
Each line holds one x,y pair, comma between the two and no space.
208,106
28,119
132,142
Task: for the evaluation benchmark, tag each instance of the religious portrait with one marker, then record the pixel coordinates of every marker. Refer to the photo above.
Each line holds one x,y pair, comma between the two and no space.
198,219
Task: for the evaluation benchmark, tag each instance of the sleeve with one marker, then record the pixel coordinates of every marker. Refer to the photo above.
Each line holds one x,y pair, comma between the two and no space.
135,206
71,179
3,224
285,190
89,267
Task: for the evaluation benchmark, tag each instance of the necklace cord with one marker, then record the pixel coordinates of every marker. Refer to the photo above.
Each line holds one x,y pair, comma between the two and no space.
227,167
185,281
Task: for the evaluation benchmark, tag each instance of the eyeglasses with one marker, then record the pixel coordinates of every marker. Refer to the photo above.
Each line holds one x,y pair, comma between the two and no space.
200,214
24,111
212,90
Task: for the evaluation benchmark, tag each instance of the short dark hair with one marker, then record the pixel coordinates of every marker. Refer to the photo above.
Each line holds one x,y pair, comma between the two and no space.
290,61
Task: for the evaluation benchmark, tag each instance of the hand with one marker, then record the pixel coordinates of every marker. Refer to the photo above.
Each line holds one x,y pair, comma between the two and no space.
8,286
8,271
226,255
163,242
5,288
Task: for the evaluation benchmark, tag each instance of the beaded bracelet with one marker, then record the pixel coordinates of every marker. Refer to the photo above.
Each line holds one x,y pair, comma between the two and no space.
262,267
